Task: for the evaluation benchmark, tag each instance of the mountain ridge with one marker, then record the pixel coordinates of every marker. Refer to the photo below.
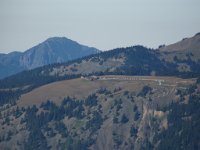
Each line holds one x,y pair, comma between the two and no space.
186,44
126,98
52,50
136,60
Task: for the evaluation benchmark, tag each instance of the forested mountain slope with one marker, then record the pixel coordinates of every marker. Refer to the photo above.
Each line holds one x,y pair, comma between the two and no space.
127,98
113,112
136,60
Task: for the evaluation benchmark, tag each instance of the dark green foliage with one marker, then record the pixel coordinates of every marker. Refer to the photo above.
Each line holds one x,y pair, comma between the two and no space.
175,58
71,144
178,92
147,146
35,78
135,108
18,112
6,121
39,122
138,61
115,119
145,90
124,119
117,89
102,90
73,69
36,141
101,63
8,136
91,100
198,81
68,144
184,129
78,111
125,92
141,61
50,132
95,59
34,123
183,120
192,88
118,104
32,78
1,138
133,131
48,105
69,107
9,97
31,118
95,122
137,116
117,139
118,107
107,92
60,127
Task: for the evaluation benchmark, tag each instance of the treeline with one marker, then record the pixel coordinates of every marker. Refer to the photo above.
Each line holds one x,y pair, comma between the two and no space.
184,124
38,123
139,60
24,83
9,97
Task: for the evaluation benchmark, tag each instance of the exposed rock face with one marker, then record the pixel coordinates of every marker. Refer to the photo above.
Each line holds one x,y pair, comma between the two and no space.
109,113
53,50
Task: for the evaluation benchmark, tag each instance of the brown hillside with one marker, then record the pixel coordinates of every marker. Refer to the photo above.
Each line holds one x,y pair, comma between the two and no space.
81,87
186,44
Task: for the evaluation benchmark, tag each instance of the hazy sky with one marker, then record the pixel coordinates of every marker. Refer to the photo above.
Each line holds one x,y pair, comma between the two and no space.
104,24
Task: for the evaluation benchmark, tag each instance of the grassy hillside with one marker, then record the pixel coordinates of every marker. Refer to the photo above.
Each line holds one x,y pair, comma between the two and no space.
111,112
126,98
82,87
186,44
135,60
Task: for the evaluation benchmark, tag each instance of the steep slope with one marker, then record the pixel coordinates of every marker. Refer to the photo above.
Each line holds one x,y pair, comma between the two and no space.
112,112
136,60
9,64
53,50
185,53
98,102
